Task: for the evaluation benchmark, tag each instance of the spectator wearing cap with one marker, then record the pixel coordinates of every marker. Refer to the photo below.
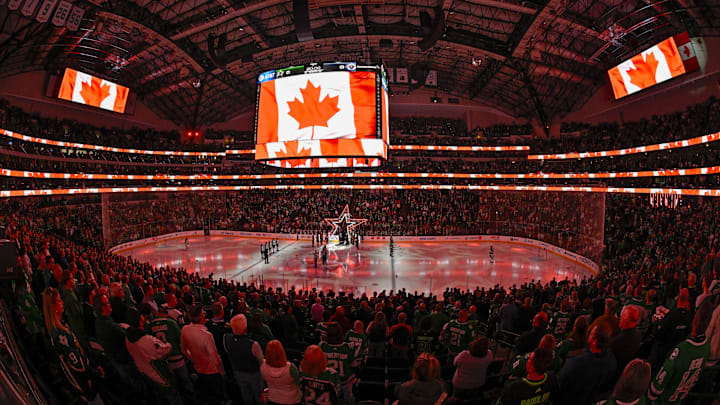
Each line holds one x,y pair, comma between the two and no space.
586,376
529,340
198,345
627,342
245,357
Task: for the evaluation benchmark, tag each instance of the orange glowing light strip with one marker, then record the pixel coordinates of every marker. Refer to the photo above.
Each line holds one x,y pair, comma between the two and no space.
629,151
611,175
459,148
44,141
428,187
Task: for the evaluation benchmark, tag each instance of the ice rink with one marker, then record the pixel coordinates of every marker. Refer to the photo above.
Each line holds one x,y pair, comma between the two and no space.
416,266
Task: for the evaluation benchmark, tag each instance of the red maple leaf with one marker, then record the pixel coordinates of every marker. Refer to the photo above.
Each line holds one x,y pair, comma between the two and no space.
313,112
94,93
643,75
293,151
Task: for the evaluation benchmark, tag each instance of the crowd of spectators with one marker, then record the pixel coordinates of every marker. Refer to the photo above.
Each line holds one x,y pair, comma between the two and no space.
120,331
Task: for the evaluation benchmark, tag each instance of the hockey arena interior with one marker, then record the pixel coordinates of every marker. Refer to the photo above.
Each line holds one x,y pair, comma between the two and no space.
416,202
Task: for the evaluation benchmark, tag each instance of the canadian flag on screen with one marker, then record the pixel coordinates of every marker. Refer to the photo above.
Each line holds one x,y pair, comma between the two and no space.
90,90
331,105
655,65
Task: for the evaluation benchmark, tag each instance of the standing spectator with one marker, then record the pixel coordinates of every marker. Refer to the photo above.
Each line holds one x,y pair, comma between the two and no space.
400,336
198,345
520,363
73,308
439,319
627,342
281,376
508,314
377,333
609,318
341,319
341,358
317,310
172,311
149,298
117,302
673,329
318,382
529,340
259,332
245,357
586,376
289,325
575,342
219,328
424,340
74,363
471,369
457,334
682,368
426,387
149,355
358,341
167,330
524,317
538,387
632,385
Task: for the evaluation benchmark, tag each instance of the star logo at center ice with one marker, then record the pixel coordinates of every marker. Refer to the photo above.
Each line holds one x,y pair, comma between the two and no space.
345,219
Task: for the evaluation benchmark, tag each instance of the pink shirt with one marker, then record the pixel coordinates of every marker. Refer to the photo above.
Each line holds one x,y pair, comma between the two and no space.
198,345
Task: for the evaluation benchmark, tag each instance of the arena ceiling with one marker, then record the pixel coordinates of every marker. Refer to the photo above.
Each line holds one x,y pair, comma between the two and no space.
533,59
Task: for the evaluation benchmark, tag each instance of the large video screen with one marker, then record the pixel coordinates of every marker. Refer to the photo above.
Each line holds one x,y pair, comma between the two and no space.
84,88
337,110
670,58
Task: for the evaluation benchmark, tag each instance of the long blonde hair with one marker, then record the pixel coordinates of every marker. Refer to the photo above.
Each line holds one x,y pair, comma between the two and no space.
53,318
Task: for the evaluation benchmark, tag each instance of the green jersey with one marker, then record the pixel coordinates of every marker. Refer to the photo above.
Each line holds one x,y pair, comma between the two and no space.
457,336
358,342
425,342
72,358
641,401
559,323
320,390
31,315
680,371
168,331
321,331
340,358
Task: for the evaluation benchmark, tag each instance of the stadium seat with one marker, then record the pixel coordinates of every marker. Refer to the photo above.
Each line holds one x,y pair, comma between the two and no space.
398,374
372,374
370,390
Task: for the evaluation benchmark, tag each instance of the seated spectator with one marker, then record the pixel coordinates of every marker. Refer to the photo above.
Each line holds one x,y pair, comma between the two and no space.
471,369
682,368
632,385
426,386
281,376
538,387
585,377
529,340
627,342
245,357
318,382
